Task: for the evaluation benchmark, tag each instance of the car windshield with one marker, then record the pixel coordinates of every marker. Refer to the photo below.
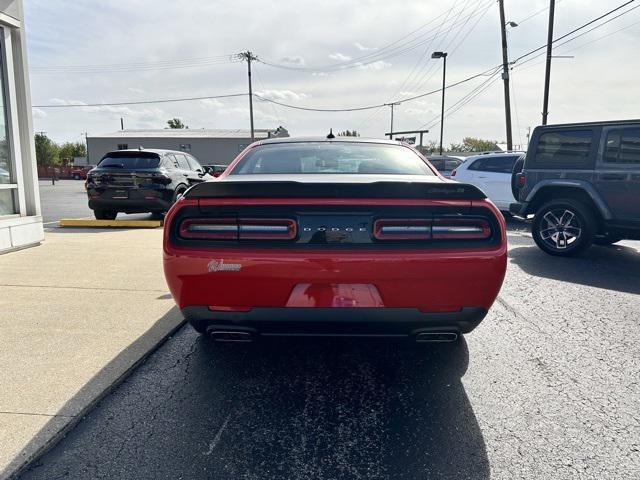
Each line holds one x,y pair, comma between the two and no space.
129,162
332,158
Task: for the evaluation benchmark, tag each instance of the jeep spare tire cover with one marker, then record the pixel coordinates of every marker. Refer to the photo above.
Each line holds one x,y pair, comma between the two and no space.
517,168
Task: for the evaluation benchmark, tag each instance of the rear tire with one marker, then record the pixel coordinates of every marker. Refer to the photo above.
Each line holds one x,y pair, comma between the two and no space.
563,227
105,214
199,327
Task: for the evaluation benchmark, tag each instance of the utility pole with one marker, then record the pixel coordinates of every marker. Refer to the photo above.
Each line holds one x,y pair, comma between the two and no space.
443,56
505,74
121,123
393,104
547,75
248,56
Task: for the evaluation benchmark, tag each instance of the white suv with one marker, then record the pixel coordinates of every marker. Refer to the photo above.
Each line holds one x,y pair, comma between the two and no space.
491,173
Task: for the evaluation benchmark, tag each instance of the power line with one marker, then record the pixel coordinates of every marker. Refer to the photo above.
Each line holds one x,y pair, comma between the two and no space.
489,72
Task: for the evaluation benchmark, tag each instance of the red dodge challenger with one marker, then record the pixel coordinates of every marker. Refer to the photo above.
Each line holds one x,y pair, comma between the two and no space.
340,236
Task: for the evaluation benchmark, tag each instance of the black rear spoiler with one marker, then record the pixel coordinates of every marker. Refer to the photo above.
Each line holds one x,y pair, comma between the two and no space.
291,189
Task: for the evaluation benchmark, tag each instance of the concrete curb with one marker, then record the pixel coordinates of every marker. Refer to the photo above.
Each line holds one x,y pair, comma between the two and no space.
101,385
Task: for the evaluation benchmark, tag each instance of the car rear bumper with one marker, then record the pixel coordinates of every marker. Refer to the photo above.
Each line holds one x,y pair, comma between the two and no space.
352,322
140,205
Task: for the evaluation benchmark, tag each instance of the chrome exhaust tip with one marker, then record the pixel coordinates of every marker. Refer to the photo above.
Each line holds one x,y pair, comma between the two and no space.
436,337
230,336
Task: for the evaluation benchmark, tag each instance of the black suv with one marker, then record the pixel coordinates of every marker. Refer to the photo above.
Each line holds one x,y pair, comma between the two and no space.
139,181
581,184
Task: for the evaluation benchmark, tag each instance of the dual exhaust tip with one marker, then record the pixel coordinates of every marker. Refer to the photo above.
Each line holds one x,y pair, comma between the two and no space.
247,337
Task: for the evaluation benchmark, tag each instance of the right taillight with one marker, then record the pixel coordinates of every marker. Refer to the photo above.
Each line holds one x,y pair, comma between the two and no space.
439,228
460,229
453,172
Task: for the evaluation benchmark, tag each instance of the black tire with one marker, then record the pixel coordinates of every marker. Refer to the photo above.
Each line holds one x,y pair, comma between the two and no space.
179,191
76,177
517,168
563,227
157,215
606,239
105,214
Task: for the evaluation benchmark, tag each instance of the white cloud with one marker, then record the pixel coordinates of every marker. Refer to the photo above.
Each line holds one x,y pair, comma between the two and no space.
135,90
340,57
295,60
408,94
375,66
281,95
362,48
212,102
38,113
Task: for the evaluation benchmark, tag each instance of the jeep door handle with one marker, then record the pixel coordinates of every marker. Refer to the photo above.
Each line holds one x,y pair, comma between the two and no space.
613,176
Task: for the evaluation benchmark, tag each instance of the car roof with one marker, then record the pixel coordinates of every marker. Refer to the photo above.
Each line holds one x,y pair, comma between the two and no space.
337,139
591,124
158,151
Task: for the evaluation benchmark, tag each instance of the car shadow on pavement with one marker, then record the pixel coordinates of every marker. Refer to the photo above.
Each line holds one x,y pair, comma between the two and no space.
295,409
614,267
335,409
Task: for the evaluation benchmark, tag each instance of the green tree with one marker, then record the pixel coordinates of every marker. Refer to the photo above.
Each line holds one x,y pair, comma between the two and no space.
69,150
471,144
349,133
176,123
47,151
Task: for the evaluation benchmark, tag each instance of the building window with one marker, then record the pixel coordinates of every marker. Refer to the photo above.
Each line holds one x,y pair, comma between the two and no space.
123,146
8,187
185,147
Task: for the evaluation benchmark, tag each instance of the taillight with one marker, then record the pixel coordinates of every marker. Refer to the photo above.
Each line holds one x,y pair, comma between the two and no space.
453,172
238,229
266,229
402,229
432,229
210,228
521,180
460,229
161,179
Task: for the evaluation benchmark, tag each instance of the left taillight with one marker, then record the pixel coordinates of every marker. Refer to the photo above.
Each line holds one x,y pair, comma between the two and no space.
238,229
438,228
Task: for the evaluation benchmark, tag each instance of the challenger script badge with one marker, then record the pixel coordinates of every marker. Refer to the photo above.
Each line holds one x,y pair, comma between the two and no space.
220,266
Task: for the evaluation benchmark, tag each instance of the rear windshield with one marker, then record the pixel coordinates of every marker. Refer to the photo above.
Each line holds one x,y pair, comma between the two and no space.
129,163
331,158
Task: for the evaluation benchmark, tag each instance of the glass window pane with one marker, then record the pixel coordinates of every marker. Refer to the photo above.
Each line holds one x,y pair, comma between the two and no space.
568,147
6,169
7,201
623,146
332,158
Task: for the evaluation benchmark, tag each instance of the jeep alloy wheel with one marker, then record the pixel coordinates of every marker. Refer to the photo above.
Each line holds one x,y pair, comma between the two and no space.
562,228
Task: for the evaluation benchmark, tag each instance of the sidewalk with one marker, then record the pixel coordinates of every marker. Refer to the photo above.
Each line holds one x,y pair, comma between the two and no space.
76,314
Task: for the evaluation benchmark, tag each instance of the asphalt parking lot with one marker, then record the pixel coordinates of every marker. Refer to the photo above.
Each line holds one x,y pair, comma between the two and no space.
68,199
546,387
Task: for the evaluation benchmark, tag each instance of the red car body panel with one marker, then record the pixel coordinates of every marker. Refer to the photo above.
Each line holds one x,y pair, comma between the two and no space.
326,278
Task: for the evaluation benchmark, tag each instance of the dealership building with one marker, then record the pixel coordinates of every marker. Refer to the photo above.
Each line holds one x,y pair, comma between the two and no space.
20,219
209,146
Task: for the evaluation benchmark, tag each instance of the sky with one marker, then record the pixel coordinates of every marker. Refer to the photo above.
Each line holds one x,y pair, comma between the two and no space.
326,55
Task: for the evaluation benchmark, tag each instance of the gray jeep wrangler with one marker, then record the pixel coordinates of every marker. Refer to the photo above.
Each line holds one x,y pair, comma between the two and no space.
580,184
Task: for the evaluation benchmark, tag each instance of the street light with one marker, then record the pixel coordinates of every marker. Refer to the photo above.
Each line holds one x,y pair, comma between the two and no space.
442,55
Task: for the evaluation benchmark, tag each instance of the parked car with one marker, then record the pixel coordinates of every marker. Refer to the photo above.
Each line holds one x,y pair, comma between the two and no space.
338,237
491,173
216,170
580,183
80,173
139,181
444,164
